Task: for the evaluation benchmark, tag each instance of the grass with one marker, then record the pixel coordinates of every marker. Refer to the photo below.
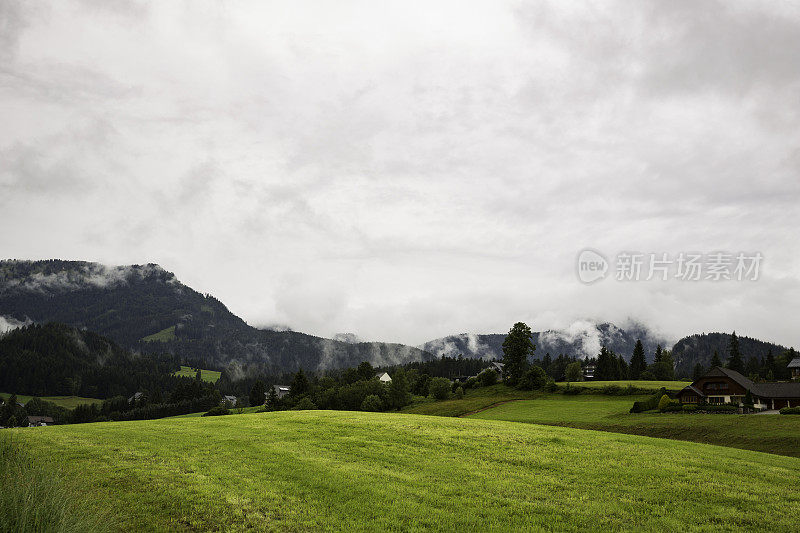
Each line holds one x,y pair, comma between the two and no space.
166,334
234,411
207,375
351,471
69,402
35,496
766,433
654,385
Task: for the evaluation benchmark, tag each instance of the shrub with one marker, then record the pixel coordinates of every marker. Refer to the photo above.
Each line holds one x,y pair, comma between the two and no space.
440,388
689,407
550,386
36,497
472,383
650,403
647,376
672,407
217,411
488,377
572,391
790,411
534,379
720,408
459,394
663,402
304,405
372,403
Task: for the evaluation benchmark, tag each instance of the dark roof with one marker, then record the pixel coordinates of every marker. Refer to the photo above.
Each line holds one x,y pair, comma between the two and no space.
692,388
765,390
794,363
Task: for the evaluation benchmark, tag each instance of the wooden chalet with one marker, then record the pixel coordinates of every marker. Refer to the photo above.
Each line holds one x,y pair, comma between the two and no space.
723,385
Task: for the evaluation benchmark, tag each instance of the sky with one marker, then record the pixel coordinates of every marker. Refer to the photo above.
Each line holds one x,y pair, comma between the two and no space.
408,170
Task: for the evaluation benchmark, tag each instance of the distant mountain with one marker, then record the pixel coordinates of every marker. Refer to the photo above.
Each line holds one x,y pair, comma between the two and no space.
700,348
145,308
581,339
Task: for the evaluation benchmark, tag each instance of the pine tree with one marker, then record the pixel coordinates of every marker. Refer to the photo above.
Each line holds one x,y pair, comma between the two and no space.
399,395
257,392
606,369
698,372
299,384
658,354
715,361
734,357
622,368
638,362
517,347
272,399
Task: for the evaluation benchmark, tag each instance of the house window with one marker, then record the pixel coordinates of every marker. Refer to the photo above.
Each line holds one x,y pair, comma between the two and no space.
716,399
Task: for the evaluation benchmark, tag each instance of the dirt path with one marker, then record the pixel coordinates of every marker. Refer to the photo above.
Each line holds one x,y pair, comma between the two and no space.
491,407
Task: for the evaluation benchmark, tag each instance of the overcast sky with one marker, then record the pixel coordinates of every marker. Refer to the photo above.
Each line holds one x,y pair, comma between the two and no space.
408,170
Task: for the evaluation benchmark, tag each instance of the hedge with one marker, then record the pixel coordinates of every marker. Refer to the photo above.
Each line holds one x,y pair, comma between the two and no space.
649,404
790,411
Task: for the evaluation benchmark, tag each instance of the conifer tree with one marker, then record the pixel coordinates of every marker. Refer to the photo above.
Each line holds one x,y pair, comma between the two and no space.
638,362
715,361
734,357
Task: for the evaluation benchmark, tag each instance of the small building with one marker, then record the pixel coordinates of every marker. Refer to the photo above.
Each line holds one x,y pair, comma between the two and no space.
37,421
280,391
383,377
794,366
229,400
498,367
136,397
588,370
723,385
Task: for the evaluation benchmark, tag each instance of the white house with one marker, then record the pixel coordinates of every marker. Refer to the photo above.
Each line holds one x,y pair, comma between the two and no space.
383,377
280,391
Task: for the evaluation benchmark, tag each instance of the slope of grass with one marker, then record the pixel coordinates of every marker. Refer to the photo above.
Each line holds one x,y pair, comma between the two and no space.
207,375
36,497
772,434
652,385
166,334
349,471
69,402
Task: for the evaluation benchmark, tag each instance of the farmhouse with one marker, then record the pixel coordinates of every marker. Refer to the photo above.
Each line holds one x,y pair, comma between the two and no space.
383,377
36,421
230,400
723,385
794,366
280,390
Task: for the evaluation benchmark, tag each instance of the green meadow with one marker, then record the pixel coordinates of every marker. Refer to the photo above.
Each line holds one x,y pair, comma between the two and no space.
354,471
69,402
669,385
767,433
166,334
207,375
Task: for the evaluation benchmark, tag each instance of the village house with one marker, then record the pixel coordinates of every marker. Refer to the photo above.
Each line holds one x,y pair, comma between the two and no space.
36,421
281,390
229,400
794,366
383,377
723,385
588,370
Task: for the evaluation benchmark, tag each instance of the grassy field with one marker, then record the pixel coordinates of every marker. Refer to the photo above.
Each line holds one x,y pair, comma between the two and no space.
766,433
348,471
70,402
234,411
669,385
485,397
166,334
207,375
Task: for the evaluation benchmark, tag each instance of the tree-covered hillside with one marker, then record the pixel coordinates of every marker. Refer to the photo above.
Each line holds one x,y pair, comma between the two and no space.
145,308
699,349
54,359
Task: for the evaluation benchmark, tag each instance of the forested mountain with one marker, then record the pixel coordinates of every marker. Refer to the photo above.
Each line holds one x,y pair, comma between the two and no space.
54,360
700,348
145,308
581,339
